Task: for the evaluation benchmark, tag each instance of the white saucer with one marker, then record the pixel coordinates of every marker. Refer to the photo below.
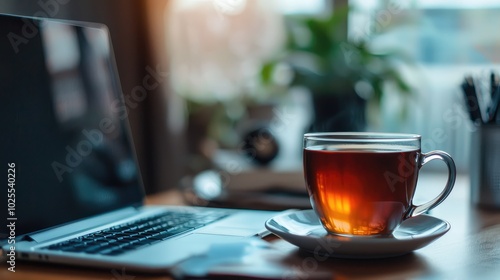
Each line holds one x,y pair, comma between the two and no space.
304,230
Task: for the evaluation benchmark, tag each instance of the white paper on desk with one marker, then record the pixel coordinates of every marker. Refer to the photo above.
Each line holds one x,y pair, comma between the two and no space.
253,258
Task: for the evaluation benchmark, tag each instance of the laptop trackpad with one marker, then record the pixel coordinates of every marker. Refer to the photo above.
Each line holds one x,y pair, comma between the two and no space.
228,231
170,252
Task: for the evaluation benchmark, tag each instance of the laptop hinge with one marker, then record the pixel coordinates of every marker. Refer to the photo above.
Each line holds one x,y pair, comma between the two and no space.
81,225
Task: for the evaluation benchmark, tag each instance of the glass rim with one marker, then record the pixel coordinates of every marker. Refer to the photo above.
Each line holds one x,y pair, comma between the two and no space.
362,136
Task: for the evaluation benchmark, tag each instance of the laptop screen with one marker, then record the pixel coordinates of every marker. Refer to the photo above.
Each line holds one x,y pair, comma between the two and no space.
65,148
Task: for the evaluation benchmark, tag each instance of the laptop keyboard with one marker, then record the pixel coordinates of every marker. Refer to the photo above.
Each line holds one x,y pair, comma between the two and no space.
119,239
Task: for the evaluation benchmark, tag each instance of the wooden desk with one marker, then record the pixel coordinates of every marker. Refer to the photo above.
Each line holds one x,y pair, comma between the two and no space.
470,250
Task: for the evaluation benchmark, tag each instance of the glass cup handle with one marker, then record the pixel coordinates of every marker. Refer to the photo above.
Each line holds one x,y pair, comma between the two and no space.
416,210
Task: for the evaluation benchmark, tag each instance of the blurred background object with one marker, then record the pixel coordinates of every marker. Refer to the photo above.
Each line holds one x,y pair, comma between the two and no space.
341,74
216,49
207,56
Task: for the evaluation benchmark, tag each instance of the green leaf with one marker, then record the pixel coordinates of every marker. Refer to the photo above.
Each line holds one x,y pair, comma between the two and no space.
266,72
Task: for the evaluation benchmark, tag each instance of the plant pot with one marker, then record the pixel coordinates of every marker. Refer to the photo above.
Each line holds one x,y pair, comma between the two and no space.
338,112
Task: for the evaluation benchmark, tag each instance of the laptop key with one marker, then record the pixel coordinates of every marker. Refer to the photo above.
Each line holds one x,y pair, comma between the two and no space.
92,249
113,252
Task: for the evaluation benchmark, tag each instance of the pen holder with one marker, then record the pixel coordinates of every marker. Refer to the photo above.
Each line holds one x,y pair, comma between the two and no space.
485,166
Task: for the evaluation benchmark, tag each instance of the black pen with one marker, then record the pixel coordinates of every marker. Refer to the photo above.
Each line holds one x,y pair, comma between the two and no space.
471,100
494,107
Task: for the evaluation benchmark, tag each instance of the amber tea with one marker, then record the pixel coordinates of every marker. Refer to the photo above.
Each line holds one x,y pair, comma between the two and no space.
361,191
363,183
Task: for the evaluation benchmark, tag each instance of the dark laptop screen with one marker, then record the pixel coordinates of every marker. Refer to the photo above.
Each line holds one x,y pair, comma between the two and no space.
65,149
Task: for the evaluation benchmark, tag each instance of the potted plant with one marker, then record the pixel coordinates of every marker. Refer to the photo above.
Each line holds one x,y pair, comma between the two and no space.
342,75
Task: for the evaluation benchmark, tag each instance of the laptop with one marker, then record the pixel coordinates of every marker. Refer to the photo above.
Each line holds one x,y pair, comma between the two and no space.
73,187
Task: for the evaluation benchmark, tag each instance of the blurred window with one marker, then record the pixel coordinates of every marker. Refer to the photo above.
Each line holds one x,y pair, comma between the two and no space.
445,40
302,7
